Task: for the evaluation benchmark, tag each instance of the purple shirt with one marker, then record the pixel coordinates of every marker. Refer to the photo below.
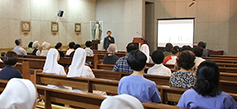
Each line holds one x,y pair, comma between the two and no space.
140,87
191,99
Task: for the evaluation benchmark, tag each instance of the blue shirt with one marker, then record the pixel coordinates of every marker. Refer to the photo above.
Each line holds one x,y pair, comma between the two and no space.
182,79
8,72
122,65
191,99
140,87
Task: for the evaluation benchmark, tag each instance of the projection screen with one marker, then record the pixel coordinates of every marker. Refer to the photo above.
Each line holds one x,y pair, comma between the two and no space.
176,31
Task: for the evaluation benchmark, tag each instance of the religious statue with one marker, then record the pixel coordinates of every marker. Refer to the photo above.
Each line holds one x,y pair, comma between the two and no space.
97,31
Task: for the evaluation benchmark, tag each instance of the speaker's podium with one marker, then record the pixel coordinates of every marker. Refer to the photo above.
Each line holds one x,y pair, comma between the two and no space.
139,41
95,44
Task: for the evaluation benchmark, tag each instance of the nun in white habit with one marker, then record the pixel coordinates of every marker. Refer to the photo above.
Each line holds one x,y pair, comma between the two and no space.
51,65
145,49
78,67
123,101
18,94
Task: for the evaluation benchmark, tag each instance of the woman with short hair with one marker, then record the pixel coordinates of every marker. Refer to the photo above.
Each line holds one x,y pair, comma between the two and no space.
205,93
184,78
45,50
36,46
111,58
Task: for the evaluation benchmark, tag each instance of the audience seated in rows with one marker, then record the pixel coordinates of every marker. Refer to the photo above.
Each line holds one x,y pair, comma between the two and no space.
74,48
184,78
19,94
168,48
8,72
198,53
58,46
45,50
88,50
158,68
111,58
30,49
172,58
123,101
18,49
78,67
36,50
135,84
206,53
205,94
145,49
121,65
71,49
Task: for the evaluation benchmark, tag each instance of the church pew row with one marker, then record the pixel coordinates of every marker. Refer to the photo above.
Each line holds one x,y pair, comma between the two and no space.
79,99
109,86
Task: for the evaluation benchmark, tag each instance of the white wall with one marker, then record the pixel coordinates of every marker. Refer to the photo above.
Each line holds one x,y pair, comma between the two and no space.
122,17
41,13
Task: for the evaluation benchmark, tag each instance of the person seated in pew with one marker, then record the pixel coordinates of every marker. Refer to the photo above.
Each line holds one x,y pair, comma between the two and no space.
78,67
186,47
123,101
168,48
205,94
121,64
158,68
198,52
51,65
206,52
36,46
88,50
45,50
8,72
135,84
18,49
75,48
145,49
30,49
111,58
58,46
70,50
172,58
18,94
184,78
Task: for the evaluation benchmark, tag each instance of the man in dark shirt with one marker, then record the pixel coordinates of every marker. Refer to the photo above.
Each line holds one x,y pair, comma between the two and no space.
108,40
8,72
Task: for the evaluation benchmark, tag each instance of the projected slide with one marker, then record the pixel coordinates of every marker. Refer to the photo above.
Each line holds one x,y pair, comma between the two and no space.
176,31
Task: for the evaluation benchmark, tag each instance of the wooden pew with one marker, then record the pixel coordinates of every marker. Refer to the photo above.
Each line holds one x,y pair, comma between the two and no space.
82,99
110,86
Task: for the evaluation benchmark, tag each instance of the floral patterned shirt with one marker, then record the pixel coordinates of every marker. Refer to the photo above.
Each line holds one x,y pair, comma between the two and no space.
182,79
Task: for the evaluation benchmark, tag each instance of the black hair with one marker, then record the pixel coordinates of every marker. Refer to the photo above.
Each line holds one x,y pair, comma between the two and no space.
76,46
88,43
137,60
186,47
201,44
208,77
157,57
71,44
185,59
17,41
168,47
198,51
108,32
131,46
30,44
58,45
10,58
175,50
